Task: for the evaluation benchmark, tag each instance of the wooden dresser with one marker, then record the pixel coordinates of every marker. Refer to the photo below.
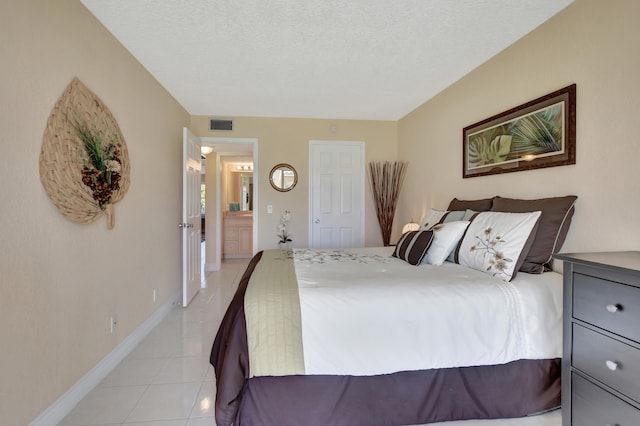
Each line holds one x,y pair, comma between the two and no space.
601,360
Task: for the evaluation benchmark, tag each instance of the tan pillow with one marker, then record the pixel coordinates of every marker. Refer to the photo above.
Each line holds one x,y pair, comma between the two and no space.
552,229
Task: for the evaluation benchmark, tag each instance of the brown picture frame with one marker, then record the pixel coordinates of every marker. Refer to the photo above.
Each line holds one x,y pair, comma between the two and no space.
540,133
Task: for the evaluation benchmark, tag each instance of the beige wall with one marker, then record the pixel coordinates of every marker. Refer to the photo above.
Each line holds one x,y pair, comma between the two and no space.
61,281
212,262
282,140
591,43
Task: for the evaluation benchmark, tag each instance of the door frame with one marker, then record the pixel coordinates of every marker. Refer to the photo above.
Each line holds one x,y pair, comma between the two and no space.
361,145
210,141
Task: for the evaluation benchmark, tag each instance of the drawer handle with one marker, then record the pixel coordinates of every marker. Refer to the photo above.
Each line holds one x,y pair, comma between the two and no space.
613,308
612,365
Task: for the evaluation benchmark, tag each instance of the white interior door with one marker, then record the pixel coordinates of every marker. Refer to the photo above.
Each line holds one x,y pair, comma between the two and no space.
191,219
336,194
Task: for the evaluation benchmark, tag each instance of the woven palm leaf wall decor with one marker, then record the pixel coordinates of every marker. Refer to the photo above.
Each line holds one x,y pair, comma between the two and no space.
84,163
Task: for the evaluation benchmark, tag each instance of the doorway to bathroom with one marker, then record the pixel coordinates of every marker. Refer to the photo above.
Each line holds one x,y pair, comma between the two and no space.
230,194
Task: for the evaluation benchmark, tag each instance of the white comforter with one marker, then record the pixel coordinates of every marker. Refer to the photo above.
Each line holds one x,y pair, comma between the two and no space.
367,313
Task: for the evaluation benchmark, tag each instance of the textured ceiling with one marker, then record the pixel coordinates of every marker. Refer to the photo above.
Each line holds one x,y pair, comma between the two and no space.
374,59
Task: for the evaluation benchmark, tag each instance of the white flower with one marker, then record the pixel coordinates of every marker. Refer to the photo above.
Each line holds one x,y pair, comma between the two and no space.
283,234
113,166
286,217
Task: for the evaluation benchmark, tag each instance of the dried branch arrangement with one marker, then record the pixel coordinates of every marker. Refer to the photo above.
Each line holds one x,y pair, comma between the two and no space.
386,182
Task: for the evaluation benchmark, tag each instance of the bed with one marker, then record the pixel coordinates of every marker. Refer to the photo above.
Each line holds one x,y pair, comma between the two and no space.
378,336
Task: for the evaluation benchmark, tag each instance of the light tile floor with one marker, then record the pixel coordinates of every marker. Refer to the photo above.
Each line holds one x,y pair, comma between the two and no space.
167,379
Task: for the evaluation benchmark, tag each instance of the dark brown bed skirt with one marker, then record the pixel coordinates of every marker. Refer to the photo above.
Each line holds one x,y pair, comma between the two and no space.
516,389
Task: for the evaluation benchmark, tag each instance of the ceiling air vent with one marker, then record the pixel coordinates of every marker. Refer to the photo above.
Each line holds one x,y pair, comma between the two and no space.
220,124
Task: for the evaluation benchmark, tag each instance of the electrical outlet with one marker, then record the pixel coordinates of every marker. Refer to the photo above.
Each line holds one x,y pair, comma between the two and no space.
155,295
114,322
269,208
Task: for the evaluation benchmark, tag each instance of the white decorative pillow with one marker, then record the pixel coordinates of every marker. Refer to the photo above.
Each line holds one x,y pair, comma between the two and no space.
445,238
497,243
460,215
431,218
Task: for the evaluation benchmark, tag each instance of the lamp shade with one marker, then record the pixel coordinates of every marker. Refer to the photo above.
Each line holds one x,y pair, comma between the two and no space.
411,226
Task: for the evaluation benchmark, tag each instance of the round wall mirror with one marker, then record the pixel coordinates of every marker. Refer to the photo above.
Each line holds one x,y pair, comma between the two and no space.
283,177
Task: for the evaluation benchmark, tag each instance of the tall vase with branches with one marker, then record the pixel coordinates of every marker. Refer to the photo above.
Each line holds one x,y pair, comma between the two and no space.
386,181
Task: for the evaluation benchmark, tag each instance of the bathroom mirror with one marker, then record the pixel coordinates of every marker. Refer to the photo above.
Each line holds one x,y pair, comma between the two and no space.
247,192
283,177
240,190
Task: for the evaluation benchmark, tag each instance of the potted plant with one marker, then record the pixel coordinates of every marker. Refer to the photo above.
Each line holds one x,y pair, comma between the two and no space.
284,238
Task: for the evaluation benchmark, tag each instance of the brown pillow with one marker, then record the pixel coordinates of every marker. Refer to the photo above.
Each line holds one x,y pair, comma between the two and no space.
552,229
483,205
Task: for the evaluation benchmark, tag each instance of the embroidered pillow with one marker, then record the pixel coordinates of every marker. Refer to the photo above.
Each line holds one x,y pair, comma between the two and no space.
431,218
497,243
413,246
445,238
552,231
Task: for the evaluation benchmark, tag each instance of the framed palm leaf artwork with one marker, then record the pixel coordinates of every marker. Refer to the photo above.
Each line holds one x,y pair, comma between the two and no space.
540,133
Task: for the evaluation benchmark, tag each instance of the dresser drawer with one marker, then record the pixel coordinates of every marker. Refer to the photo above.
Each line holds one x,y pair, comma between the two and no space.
614,363
607,304
593,406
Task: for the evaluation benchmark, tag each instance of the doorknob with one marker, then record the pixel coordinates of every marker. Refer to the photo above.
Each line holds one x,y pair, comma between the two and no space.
317,220
185,225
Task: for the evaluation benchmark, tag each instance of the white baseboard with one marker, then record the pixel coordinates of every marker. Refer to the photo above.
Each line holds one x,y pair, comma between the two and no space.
63,405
